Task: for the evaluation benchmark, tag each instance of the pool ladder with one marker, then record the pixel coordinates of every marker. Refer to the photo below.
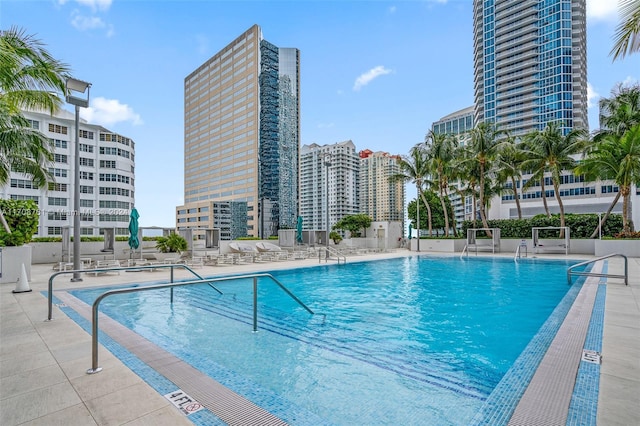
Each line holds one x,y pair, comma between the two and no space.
625,277
328,251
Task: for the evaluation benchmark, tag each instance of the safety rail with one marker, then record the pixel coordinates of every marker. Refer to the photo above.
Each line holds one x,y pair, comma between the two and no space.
518,255
122,268
571,272
94,322
328,251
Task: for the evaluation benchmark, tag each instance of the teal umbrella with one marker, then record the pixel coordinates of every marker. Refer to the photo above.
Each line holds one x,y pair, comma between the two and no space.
134,242
299,230
410,231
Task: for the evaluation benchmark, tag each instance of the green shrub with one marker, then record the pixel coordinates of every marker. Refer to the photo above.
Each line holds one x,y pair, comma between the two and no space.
22,216
580,225
173,243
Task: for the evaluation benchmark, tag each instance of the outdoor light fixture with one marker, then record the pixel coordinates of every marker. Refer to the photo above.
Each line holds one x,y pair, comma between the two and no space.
326,160
74,93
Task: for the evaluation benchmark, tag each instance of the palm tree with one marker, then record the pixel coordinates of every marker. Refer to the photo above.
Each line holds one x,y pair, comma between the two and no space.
414,168
621,111
484,145
627,37
618,158
29,76
440,150
510,158
551,150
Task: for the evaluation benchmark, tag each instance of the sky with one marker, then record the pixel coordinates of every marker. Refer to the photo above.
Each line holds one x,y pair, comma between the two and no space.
378,73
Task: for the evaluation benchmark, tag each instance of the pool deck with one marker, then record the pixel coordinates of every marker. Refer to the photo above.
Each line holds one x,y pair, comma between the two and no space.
43,364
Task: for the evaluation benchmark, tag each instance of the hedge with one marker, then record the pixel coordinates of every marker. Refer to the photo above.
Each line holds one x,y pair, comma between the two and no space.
580,225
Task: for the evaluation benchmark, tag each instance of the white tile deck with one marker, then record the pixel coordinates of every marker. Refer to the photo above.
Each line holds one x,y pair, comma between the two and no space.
43,364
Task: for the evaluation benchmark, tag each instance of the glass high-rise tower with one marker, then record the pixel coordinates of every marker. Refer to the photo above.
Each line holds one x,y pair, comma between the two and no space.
530,64
242,135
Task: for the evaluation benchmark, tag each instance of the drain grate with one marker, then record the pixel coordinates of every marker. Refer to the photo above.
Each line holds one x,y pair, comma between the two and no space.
591,356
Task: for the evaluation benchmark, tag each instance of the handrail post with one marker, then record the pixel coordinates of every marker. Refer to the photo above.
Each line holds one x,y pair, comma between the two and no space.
94,339
171,280
255,304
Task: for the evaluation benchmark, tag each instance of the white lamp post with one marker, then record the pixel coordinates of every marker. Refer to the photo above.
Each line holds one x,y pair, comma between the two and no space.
74,88
326,159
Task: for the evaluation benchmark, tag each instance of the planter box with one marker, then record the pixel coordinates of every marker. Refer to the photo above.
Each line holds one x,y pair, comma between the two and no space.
629,248
12,259
444,245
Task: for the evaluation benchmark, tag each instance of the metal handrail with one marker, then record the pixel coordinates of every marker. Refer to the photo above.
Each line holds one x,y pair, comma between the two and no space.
117,269
94,322
571,272
328,252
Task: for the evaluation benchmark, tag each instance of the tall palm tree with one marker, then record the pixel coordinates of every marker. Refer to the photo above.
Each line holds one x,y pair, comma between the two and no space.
29,79
509,168
440,148
414,168
484,144
551,150
627,37
621,111
618,158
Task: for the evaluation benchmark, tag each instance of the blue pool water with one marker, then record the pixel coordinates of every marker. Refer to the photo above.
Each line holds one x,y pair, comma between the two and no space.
418,340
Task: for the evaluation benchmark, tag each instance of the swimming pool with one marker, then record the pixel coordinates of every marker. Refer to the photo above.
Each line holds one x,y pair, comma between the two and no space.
418,340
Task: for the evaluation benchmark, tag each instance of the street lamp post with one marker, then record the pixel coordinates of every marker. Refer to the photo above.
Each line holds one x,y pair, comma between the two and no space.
326,159
74,93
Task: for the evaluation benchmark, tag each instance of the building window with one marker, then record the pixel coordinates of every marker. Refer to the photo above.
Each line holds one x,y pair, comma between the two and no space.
54,230
25,197
56,128
108,164
57,216
61,187
86,162
86,175
60,158
86,203
86,189
59,143
55,201
22,183
86,134
58,172
86,148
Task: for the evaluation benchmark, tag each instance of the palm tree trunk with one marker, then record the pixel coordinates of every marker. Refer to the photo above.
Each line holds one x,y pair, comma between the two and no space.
446,214
515,197
556,189
544,196
625,190
483,215
418,216
606,215
429,219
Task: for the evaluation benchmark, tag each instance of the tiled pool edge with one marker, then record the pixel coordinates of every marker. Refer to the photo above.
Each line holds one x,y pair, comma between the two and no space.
155,380
584,401
503,401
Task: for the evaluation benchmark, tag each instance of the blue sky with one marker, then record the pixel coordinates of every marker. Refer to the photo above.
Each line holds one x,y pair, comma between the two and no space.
376,72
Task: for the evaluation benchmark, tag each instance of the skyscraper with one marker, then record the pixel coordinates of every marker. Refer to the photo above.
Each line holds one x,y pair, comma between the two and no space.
241,135
530,64
107,177
381,198
329,179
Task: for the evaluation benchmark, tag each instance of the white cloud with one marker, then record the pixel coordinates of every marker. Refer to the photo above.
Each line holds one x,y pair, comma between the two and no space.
325,125
84,23
592,96
602,9
392,9
110,111
630,81
95,5
369,76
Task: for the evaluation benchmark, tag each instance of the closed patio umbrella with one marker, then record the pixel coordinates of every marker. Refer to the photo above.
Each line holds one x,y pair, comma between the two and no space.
134,242
299,230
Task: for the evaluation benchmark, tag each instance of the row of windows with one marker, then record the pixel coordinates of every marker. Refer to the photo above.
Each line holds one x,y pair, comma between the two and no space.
115,191
113,177
57,230
550,193
105,150
22,183
110,137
